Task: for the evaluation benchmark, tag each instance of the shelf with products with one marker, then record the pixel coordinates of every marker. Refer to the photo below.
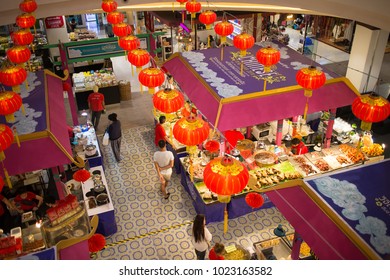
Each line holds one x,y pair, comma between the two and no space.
87,80
82,34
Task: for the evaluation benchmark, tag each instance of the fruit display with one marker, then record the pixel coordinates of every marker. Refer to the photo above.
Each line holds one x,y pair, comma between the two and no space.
352,153
87,80
373,150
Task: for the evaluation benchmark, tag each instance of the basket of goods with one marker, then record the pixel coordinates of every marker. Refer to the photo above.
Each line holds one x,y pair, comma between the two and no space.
236,252
373,150
265,158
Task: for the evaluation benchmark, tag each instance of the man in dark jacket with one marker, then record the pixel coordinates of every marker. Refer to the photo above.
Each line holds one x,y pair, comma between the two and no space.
115,133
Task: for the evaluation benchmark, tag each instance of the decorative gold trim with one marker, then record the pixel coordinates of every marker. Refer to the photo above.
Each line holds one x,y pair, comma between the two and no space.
66,73
32,136
351,235
47,102
218,113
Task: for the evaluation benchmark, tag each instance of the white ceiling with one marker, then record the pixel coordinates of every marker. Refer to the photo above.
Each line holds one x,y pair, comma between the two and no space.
375,12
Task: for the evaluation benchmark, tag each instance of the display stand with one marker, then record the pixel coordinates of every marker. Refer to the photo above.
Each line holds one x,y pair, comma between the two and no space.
97,159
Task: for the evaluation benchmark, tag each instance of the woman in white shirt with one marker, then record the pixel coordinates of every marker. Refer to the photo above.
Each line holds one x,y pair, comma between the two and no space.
201,236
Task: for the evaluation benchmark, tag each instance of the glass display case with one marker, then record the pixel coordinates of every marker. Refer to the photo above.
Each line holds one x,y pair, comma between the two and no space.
76,225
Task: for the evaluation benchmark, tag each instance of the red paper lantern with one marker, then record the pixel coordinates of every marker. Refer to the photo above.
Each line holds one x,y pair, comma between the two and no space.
191,131
28,6
151,78
267,57
254,200
19,54
12,76
310,78
225,176
243,42
1,184
22,37
96,243
121,29
138,58
6,139
129,43
66,86
25,20
223,29
193,7
212,146
208,18
109,6
370,108
10,102
81,175
168,100
115,17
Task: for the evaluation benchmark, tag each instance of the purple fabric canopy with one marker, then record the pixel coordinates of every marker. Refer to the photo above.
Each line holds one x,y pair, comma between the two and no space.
208,81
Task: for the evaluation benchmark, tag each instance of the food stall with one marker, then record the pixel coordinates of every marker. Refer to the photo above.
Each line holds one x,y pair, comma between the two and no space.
86,146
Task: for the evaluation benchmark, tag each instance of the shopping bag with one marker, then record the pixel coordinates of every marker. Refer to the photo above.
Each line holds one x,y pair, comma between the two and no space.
106,139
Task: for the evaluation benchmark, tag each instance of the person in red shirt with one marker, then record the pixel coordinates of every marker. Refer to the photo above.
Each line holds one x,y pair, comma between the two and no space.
159,132
96,106
298,147
216,253
28,201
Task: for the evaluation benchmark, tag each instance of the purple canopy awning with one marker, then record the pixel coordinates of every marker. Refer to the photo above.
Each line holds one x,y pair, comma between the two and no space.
230,100
42,130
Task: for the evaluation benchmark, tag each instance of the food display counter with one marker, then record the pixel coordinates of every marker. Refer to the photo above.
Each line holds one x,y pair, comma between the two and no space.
86,146
98,201
104,79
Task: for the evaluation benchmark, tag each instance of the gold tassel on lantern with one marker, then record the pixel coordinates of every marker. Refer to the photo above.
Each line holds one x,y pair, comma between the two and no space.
16,88
16,137
23,110
225,220
7,179
306,108
242,68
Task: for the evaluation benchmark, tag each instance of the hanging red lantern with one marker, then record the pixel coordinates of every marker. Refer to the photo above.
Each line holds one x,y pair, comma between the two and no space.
81,175
121,29
6,139
19,54
208,18
115,17
96,243
168,100
22,37
28,6
267,57
138,58
191,131
254,200
129,43
370,108
193,7
225,176
12,76
10,102
223,29
66,86
212,146
243,42
109,6
310,78
25,20
151,78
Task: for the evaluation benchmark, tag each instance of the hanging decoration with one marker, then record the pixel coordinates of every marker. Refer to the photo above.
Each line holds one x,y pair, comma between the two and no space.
10,102
22,37
18,54
28,6
168,100
310,79
66,86
138,58
96,243
193,7
115,17
121,29
267,57
109,6
6,139
13,76
243,42
212,146
225,176
129,43
370,108
208,18
223,29
254,200
151,77
25,20
81,175
181,2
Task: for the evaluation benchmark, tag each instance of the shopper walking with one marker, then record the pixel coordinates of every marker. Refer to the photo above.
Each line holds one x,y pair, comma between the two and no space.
163,161
159,131
115,135
201,236
96,106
